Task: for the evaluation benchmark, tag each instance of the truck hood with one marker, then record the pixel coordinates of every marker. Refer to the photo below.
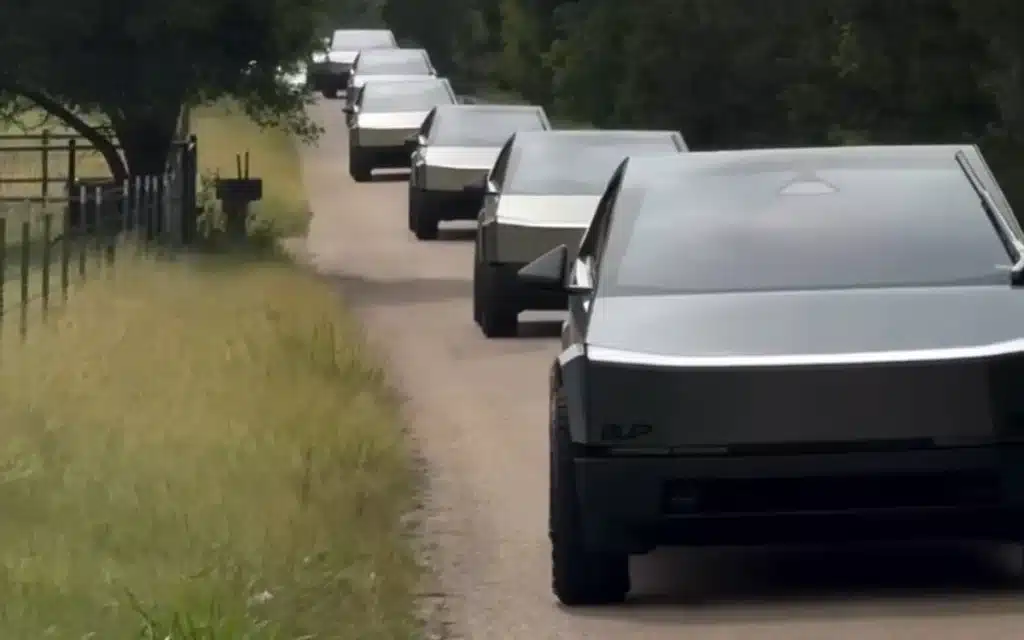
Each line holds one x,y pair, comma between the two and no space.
808,327
360,79
547,210
393,120
461,157
342,57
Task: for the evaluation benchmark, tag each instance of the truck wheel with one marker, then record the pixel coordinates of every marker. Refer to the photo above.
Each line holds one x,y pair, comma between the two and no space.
414,206
425,223
477,275
360,165
498,302
579,576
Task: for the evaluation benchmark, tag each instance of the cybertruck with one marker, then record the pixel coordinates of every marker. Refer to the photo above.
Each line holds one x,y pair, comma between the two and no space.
387,64
329,70
455,150
384,120
786,345
542,192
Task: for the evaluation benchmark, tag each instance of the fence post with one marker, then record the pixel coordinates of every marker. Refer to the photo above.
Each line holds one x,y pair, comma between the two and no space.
45,159
154,208
97,223
147,182
65,255
72,165
137,226
3,269
83,234
189,178
110,228
123,211
47,233
26,254
172,224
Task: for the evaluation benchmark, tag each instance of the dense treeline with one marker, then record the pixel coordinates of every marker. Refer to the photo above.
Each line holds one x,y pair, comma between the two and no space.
740,73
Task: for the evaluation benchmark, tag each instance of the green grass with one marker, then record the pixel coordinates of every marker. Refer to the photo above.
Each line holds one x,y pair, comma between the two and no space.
203,448
284,210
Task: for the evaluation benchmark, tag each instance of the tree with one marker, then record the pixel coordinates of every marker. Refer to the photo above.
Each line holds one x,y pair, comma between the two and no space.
122,71
434,25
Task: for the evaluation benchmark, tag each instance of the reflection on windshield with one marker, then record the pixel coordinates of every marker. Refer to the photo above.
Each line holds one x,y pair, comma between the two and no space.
481,129
356,41
881,228
397,97
394,67
573,168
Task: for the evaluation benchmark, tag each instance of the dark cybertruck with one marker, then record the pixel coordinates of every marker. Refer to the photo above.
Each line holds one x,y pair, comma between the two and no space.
786,345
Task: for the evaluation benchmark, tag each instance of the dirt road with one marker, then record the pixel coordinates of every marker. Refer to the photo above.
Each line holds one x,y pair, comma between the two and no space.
478,411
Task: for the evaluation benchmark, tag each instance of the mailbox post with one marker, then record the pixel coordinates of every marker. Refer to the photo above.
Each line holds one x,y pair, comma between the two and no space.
236,195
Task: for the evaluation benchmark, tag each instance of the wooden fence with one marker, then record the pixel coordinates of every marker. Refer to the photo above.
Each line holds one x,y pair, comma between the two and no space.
48,166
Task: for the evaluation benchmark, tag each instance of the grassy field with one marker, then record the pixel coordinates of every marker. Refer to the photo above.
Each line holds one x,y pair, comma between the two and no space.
284,210
202,448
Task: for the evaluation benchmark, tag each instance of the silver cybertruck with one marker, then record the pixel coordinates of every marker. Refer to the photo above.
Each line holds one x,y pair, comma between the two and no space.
329,69
455,150
785,345
385,118
541,193
387,64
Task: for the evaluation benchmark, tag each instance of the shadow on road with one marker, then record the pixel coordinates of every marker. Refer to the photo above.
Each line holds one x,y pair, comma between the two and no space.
539,329
811,585
398,176
361,291
461,234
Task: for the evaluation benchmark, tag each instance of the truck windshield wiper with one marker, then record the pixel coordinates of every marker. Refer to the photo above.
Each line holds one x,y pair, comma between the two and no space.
1013,244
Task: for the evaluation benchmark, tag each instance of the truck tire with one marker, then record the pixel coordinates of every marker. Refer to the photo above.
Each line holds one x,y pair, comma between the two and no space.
414,206
498,303
477,275
425,223
579,576
360,165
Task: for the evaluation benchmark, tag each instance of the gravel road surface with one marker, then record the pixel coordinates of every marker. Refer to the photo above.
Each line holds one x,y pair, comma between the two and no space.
478,412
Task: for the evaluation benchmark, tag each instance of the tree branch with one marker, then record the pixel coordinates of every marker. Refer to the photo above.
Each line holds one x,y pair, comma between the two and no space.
94,135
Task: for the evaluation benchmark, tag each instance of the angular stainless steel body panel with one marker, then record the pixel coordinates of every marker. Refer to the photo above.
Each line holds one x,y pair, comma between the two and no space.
357,81
525,227
455,168
395,137
386,129
812,327
520,244
948,401
360,79
342,59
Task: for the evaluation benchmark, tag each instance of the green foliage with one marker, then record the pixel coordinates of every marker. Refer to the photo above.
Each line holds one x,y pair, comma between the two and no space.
134,64
735,73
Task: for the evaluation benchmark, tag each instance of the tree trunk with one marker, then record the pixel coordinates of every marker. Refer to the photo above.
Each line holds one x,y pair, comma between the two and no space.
146,144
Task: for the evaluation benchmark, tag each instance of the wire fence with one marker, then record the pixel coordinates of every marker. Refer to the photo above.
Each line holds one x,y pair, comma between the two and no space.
48,249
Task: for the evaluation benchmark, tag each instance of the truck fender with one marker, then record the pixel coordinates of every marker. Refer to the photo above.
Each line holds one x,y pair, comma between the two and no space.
569,374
